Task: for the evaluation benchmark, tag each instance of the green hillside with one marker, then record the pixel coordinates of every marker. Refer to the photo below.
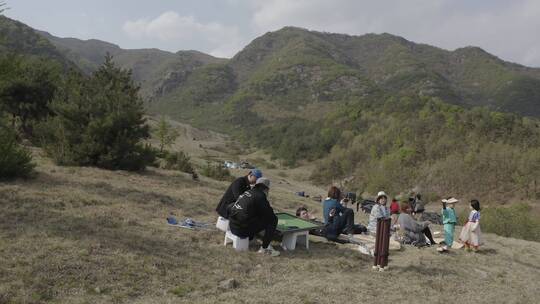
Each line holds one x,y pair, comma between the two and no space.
377,104
296,67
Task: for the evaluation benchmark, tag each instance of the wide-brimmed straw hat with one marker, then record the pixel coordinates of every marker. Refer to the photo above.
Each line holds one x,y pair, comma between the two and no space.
451,200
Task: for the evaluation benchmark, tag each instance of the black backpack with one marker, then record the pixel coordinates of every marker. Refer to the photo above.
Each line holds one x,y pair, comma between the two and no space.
241,210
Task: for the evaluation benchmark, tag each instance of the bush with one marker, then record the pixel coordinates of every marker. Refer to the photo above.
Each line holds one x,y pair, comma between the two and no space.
516,221
216,171
98,122
178,161
15,160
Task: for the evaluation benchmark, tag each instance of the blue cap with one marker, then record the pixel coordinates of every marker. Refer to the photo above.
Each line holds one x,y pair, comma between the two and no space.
256,172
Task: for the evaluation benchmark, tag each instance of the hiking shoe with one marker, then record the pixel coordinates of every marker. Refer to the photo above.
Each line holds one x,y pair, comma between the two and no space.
269,251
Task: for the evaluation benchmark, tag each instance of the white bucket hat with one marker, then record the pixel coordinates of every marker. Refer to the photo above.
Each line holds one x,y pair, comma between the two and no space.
381,194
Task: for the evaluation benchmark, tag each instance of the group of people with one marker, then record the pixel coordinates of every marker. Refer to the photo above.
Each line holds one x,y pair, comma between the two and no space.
411,229
245,204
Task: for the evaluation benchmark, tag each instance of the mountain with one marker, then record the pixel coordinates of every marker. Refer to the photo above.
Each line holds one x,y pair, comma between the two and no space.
157,71
306,68
299,69
468,76
16,37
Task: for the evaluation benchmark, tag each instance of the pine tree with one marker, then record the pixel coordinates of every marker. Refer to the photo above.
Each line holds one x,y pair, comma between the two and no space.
99,122
165,134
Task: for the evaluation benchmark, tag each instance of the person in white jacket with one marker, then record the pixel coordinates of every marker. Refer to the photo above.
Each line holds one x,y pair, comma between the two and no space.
378,211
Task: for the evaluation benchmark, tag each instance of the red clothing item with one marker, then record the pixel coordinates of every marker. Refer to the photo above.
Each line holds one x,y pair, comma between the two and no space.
394,207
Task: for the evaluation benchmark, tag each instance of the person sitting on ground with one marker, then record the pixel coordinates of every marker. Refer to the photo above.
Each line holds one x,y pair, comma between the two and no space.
413,232
337,219
394,212
252,214
449,221
239,186
378,211
304,214
418,207
412,202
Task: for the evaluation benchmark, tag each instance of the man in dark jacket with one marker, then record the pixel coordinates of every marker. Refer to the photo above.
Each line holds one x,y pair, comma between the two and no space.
239,186
252,214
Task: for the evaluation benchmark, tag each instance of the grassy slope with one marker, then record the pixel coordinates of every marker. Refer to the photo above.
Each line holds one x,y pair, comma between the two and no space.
85,235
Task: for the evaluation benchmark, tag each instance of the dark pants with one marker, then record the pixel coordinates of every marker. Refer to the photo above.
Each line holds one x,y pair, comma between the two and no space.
268,226
427,233
343,223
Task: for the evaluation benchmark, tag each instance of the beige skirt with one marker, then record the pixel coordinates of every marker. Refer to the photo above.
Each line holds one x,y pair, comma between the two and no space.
471,234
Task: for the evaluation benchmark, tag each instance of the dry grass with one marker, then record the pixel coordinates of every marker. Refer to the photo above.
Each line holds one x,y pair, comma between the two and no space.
84,235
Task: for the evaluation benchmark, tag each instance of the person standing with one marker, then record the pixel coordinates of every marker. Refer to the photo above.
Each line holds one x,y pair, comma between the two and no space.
471,235
237,187
449,221
252,214
378,211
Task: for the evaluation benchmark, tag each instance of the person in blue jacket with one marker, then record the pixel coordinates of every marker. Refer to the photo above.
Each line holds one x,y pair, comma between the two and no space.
337,218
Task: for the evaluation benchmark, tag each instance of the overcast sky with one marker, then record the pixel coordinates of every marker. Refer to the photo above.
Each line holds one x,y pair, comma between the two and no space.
507,28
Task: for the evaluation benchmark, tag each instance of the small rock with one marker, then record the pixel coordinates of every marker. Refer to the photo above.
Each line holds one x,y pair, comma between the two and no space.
97,290
228,284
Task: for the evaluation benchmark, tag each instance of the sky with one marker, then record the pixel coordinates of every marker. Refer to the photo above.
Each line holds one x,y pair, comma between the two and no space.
507,29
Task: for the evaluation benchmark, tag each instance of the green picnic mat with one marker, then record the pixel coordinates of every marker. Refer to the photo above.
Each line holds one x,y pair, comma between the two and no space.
288,222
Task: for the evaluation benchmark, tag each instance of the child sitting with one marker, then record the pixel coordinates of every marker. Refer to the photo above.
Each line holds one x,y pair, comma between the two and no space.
303,213
471,235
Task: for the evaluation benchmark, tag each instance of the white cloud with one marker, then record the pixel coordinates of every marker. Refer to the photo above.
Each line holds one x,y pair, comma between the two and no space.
185,32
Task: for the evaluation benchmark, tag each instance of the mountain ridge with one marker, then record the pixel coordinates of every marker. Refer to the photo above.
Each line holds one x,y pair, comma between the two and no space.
468,76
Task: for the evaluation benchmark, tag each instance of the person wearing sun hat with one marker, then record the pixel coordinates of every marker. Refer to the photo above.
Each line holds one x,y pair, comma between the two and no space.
449,221
239,186
378,211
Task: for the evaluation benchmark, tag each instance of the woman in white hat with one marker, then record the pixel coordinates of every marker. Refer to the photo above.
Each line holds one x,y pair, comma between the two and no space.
378,211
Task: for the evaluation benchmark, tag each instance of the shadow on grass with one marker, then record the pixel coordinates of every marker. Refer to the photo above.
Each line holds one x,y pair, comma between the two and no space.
487,251
424,270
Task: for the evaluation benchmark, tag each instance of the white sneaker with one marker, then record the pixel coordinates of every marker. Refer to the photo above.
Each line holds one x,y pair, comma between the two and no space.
269,251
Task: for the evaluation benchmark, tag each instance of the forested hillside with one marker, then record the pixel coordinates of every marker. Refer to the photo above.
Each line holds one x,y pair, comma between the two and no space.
376,110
